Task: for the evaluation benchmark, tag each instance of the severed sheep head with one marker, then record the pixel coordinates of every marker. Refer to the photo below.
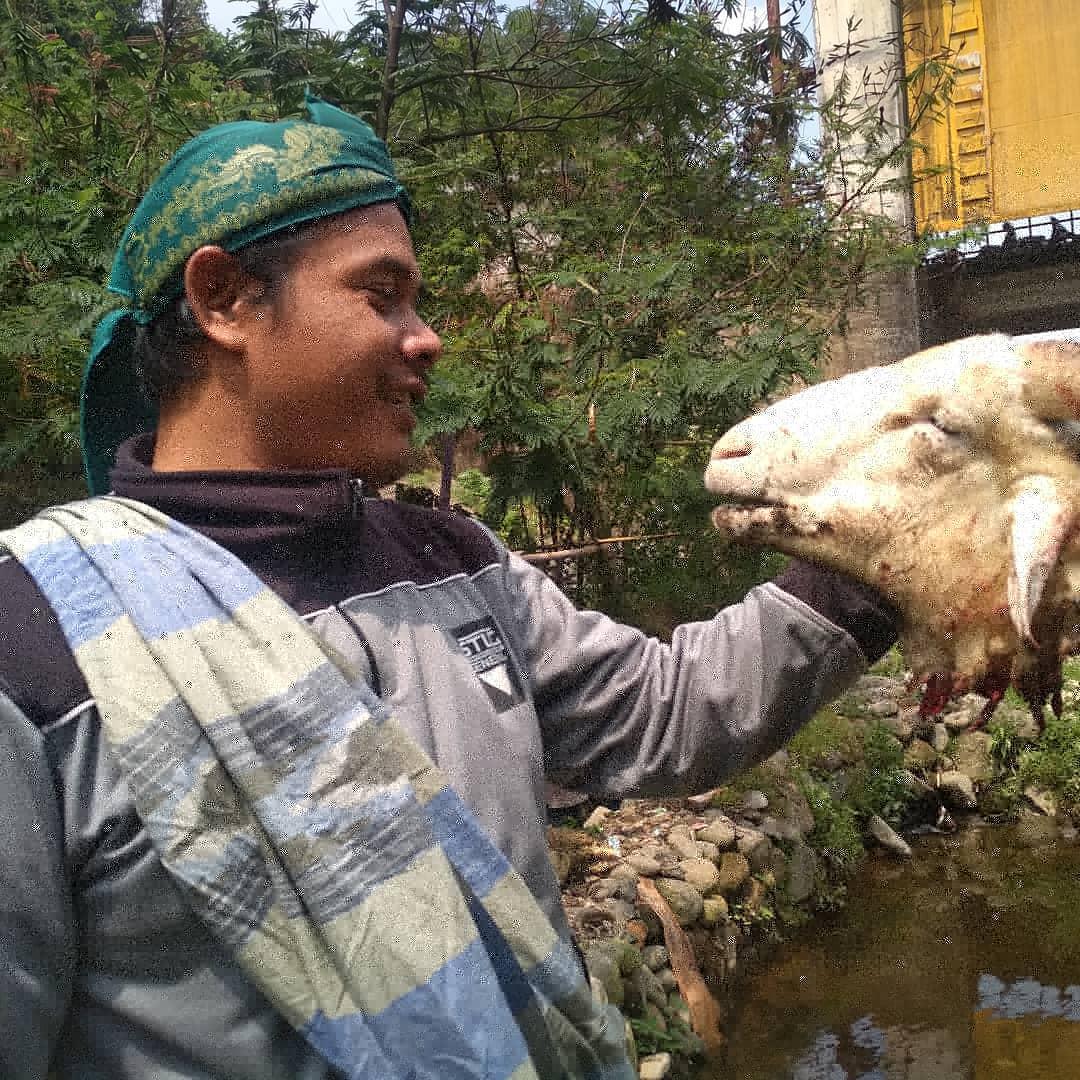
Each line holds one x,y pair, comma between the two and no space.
950,482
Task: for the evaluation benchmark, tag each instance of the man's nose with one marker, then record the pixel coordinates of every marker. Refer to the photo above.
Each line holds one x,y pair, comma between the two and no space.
422,345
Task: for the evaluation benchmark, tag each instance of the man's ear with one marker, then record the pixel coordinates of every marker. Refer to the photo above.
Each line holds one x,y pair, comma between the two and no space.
223,298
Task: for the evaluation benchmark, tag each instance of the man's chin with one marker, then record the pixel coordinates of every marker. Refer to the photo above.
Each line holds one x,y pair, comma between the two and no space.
379,475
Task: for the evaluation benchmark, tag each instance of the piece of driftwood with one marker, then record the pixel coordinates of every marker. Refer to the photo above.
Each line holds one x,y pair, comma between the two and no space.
704,1011
591,548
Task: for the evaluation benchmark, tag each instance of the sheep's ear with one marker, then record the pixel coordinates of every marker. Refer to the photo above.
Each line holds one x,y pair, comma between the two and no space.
1051,374
1041,521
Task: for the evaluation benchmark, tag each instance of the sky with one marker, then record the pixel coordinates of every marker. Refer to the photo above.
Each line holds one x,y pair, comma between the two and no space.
338,14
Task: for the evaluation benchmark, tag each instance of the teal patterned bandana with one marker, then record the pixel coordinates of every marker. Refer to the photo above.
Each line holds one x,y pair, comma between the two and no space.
233,184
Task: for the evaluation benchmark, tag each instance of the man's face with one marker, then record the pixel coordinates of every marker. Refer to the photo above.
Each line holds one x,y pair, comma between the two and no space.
336,365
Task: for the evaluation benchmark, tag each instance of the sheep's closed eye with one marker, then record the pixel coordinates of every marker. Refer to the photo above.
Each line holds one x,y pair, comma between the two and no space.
1067,433
946,425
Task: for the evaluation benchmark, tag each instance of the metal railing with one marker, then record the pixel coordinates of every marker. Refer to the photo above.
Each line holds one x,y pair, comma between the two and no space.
1006,244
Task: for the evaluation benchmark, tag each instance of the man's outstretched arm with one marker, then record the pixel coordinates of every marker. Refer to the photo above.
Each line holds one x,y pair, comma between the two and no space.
624,714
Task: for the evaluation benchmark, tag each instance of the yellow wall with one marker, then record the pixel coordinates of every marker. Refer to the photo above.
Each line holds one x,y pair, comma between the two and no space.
1008,143
1033,66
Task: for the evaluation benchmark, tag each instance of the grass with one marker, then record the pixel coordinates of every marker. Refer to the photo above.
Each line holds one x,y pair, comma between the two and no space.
830,732
758,778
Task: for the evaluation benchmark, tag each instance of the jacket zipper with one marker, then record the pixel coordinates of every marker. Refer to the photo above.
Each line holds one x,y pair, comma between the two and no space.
356,499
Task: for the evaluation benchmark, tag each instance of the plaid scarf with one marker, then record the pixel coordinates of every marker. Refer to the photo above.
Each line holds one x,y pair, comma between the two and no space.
317,841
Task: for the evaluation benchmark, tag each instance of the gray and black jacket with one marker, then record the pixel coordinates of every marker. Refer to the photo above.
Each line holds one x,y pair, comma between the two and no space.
104,973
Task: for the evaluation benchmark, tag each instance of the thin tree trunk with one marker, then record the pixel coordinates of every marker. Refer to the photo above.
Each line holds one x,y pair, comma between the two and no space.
396,20
776,73
449,445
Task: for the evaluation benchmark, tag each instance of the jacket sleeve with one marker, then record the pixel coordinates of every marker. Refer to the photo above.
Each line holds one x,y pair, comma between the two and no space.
37,938
623,714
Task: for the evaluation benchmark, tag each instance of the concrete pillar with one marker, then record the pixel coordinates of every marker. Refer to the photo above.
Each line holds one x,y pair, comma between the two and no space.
862,41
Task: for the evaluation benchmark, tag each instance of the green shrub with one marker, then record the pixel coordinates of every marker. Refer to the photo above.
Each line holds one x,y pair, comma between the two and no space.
836,832
877,786
1054,762
828,733
1005,743
471,489
891,664
651,1038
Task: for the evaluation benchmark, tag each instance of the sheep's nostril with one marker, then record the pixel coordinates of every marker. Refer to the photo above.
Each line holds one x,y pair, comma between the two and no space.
720,452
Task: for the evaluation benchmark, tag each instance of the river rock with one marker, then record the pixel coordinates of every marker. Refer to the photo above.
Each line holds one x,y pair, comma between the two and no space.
620,884
940,739
755,801
714,911
957,790
708,851
598,818
645,986
1043,801
644,864
655,957
901,725
879,687
778,763
667,977
682,842
603,965
793,806
686,902
919,755
734,870
971,754
595,914
881,709
962,713
752,844
1019,716
720,831
703,800
655,1067
776,829
888,838
702,874
801,872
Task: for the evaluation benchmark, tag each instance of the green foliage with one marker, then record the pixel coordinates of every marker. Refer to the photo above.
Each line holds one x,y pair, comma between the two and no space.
756,778
1054,762
1005,743
875,784
836,833
471,489
892,664
1001,799
625,250
829,733
675,1038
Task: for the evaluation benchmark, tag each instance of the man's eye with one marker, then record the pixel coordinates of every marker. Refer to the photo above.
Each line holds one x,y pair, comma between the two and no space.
383,294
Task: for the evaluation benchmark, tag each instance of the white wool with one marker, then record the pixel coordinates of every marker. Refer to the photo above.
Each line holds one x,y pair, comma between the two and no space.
947,482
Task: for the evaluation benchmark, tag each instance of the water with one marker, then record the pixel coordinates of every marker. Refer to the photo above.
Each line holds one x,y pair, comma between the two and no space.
964,965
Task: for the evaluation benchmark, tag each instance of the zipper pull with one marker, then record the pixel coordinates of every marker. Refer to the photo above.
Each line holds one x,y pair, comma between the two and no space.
356,498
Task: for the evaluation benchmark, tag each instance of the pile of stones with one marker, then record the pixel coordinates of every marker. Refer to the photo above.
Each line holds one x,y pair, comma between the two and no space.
723,872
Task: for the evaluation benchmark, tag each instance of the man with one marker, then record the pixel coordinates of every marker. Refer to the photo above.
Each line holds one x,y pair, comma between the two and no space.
271,322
